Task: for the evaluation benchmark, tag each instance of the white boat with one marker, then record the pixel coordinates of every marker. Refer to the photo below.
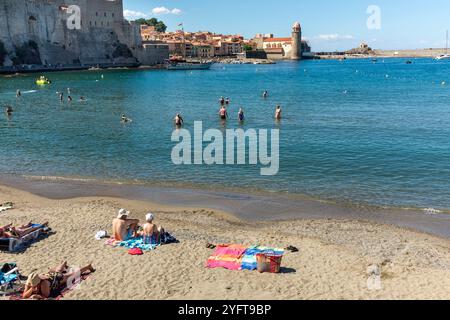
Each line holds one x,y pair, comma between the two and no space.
446,55
443,57
185,65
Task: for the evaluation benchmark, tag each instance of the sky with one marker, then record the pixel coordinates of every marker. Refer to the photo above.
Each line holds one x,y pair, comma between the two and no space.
326,24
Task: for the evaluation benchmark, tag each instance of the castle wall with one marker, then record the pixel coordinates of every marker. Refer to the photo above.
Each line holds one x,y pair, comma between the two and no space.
103,31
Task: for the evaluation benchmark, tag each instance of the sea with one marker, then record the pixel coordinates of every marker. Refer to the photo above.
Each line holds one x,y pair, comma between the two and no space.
366,132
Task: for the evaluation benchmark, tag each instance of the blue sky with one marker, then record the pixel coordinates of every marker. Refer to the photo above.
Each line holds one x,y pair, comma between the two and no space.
327,24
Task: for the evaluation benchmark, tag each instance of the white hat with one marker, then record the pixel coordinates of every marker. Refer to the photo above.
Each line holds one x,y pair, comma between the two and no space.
123,213
149,217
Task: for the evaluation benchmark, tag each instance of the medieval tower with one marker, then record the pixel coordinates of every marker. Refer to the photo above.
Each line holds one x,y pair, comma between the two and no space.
296,53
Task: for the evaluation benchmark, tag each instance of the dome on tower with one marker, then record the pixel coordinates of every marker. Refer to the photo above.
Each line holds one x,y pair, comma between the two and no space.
296,26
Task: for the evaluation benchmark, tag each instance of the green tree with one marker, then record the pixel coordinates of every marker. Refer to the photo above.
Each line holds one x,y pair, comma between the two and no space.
160,26
247,47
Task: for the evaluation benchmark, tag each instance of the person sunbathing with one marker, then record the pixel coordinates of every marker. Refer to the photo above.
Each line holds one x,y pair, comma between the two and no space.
12,232
44,286
124,228
151,231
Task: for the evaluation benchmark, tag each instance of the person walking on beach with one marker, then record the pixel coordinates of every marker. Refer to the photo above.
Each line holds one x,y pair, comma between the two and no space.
179,121
223,113
124,228
241,116
278,113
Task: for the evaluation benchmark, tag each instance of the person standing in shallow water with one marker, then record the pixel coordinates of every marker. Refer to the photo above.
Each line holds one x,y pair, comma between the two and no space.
265,94
278,113
61,96
241,115
223,114
179,121
18,94
9,111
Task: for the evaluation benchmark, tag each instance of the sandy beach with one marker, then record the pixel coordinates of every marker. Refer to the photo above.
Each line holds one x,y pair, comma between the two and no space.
332,262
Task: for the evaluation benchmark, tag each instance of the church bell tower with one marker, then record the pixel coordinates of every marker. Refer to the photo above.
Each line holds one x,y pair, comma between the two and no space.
296,42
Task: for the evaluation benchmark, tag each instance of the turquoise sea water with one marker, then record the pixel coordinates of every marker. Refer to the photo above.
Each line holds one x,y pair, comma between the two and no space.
358,131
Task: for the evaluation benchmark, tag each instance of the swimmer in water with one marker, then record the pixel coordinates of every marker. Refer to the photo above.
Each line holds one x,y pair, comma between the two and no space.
68,91
69,98
227,101
222,101
18,94
82,99
265,94
223,113
9,111
179,121
241,115
278,113
124,119
61,96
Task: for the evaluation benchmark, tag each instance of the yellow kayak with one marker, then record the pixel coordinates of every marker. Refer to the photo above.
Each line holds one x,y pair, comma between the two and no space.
42,82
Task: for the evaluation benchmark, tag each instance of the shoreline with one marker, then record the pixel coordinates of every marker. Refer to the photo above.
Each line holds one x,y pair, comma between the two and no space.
243,206
332,262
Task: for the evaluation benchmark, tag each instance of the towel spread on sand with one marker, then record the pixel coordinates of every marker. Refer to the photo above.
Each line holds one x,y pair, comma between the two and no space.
249,259
227,256
135,243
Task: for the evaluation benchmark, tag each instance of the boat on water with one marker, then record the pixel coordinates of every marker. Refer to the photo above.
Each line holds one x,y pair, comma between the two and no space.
182,64
43,81
446,55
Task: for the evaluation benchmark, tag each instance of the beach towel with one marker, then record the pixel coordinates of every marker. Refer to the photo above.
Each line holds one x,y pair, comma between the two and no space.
18,244
227,256
135,243
249,261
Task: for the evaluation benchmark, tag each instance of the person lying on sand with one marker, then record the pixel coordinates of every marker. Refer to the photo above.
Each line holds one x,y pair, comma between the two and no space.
124,228
44,286
151,230
12,232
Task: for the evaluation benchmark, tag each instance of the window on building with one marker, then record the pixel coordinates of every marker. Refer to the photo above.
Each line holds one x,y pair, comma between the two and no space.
96,14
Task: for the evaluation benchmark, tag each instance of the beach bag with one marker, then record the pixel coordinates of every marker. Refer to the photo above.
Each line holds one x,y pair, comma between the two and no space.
270,263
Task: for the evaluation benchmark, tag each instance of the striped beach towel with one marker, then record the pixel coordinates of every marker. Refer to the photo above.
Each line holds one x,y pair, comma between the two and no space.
227,256
249,259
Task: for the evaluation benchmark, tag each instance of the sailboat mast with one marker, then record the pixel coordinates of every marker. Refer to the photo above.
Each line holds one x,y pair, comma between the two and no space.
446,44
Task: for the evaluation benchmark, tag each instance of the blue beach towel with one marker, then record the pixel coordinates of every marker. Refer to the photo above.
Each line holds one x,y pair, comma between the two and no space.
249,260
140,244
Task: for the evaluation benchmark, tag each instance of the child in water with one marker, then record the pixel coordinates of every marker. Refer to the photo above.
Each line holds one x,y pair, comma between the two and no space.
241,115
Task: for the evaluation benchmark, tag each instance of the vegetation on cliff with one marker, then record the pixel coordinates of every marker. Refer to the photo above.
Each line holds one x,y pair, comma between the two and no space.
159,25
28,53
2,53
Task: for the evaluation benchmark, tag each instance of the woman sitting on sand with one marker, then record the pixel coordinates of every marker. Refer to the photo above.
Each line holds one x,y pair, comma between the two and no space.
44,286
12,232
152,233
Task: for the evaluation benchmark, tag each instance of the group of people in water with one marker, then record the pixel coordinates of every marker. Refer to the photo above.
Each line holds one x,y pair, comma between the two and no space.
223,111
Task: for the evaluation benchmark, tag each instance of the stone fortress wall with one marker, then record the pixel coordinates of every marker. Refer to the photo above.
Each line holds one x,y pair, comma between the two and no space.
105,37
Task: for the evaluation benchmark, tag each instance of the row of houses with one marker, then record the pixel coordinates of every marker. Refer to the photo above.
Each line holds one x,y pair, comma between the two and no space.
195,44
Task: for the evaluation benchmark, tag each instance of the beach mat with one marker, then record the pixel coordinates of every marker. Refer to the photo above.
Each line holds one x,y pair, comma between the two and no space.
228,256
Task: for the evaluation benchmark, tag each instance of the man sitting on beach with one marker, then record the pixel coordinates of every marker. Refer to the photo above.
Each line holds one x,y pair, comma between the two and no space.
124,228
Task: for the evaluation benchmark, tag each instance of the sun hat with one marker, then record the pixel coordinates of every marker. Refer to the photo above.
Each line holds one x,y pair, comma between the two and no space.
149,217
33,280
123,213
